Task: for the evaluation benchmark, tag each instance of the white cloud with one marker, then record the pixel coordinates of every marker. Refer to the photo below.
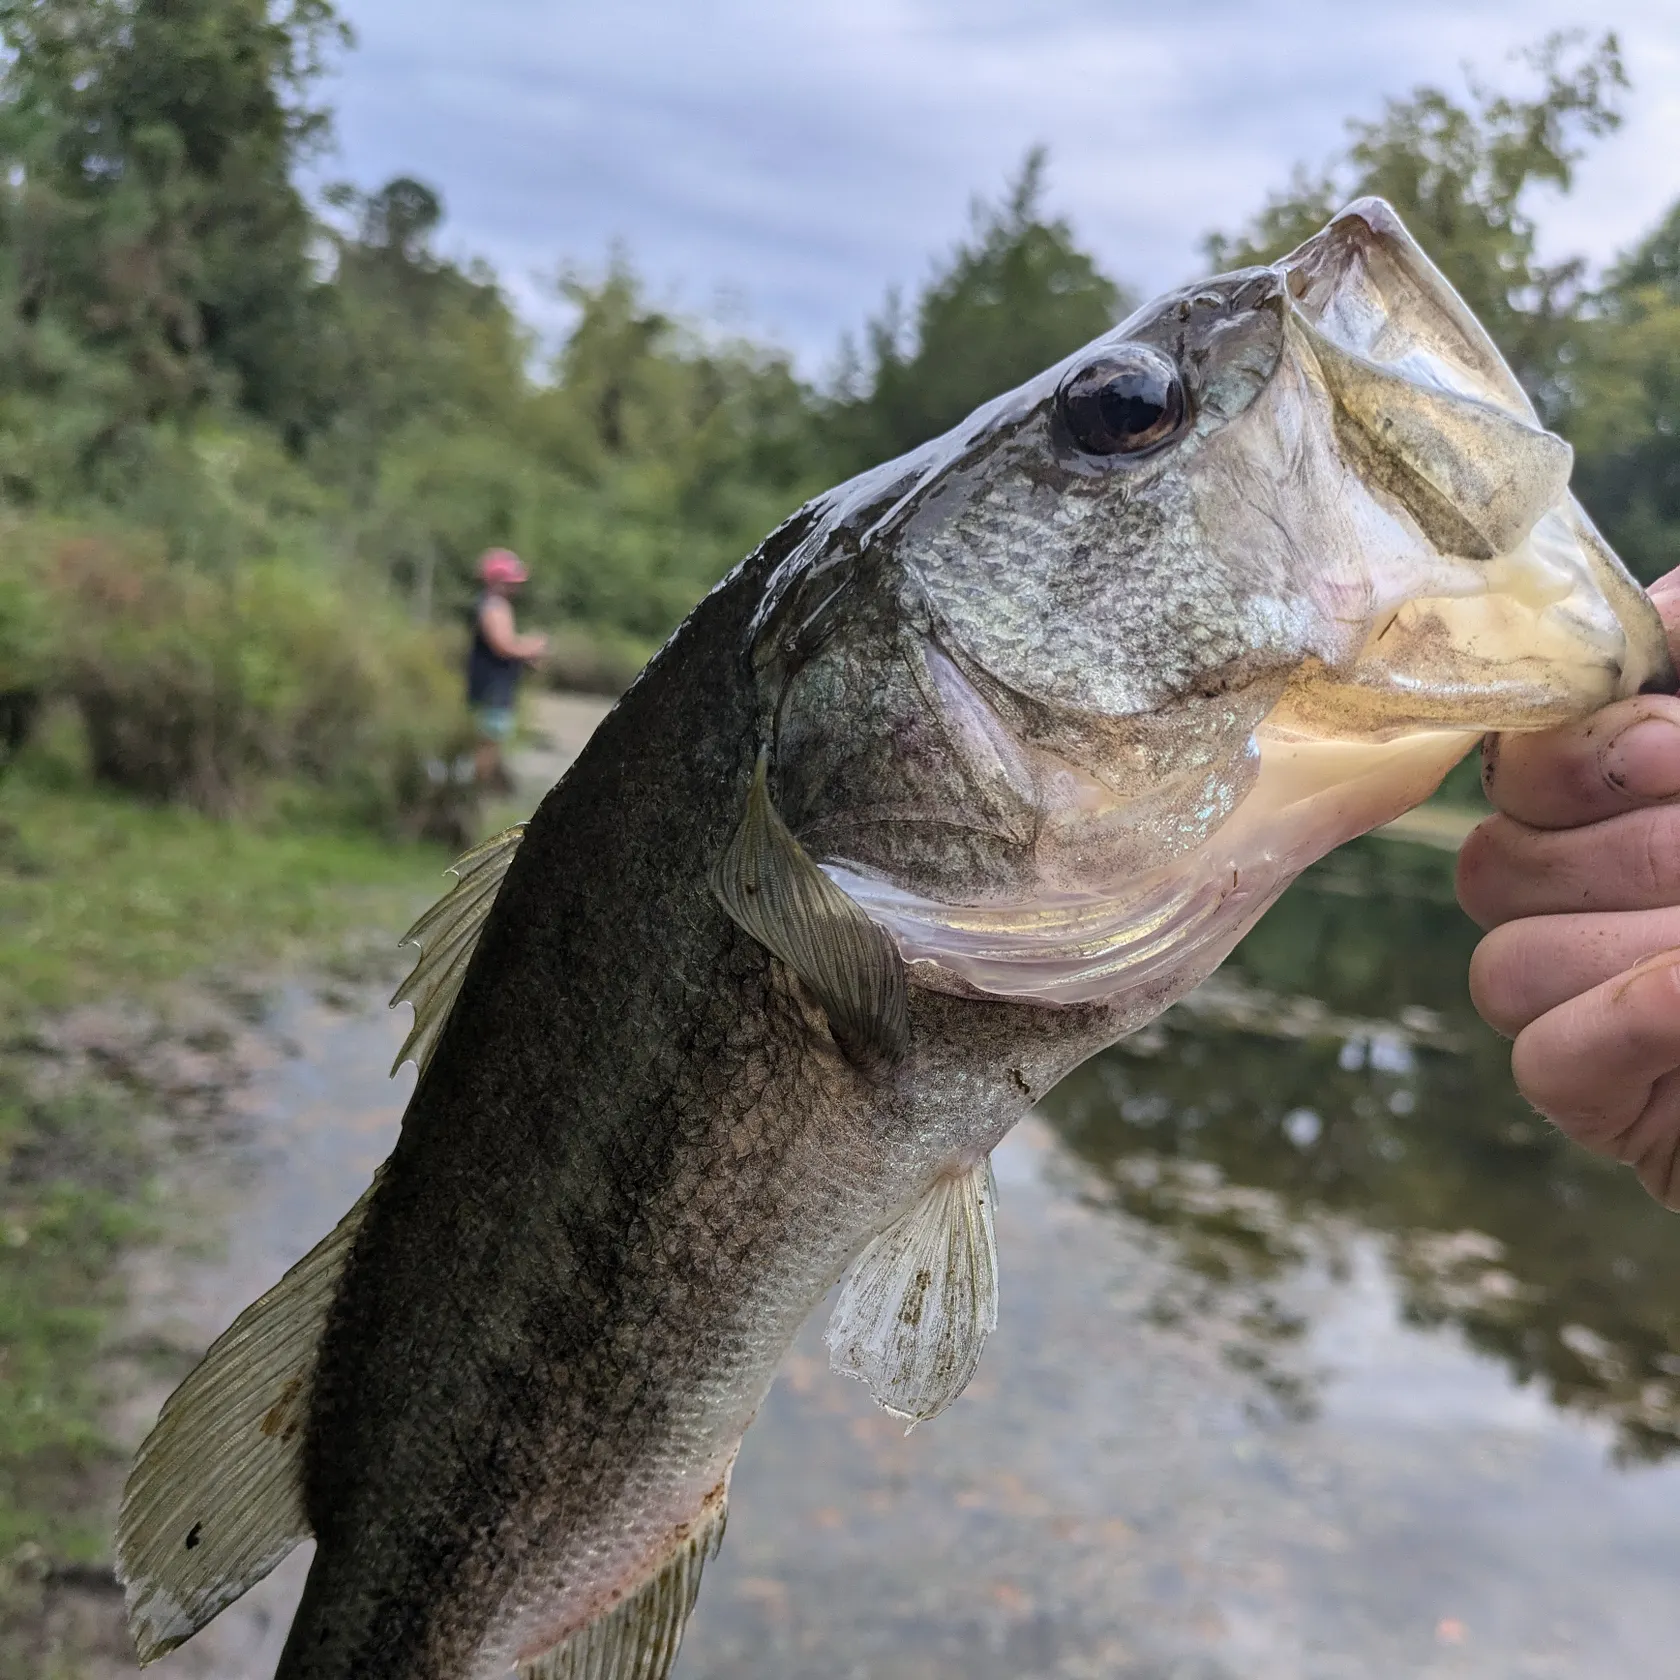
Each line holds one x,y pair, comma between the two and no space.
807,156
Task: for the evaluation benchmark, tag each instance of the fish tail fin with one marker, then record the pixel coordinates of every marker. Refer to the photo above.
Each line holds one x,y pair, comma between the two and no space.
215,1499
638,1638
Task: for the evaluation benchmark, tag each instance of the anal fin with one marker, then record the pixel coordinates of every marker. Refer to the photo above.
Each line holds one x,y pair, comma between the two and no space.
638,1638
215,1498
447,936
917,1307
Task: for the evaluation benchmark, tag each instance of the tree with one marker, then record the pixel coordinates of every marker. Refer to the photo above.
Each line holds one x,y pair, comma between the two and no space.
1653,262
1462,174
672,449
150,147
408,339
1623,378
1017,295
400,219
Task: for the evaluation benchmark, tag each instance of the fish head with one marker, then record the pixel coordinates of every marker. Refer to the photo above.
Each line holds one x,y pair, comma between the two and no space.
1066,697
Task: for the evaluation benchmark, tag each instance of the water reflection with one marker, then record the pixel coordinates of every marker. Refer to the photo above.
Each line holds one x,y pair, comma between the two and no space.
1333,1079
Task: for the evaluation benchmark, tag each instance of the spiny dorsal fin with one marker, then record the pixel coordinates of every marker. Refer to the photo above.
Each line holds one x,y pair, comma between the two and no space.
447,935
922,1299
773,890
638,1638
215,1498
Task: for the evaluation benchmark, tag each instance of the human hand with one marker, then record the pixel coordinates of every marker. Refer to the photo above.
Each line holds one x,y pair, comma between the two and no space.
1577,881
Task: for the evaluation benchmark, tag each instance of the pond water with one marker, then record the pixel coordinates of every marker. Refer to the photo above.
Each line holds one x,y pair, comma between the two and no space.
1320,1357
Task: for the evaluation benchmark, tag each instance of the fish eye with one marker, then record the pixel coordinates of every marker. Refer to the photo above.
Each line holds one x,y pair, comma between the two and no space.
1123,403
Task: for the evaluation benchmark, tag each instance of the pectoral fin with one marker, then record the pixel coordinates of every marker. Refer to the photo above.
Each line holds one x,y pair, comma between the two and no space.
922,1299
447,936
773,890
215,1499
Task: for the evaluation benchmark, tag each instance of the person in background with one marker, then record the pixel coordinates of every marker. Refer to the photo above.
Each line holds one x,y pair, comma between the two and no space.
1577,884
496,662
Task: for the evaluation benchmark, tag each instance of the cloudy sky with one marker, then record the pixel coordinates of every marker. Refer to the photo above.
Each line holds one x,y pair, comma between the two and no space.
795,157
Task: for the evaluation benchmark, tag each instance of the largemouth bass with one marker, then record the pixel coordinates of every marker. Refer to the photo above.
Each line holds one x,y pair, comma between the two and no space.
976,765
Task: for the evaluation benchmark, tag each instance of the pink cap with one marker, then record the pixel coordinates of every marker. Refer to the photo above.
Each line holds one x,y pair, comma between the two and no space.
501,565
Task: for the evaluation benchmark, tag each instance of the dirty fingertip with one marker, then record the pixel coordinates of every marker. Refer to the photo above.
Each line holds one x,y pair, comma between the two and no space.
1477,873
1665,592
1642,761
1647,970
1490,760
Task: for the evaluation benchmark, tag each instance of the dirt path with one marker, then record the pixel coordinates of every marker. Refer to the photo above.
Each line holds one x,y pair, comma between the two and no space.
1115,1496
557,725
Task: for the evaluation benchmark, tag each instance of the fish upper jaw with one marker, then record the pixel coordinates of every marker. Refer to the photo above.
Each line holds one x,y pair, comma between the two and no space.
1535,638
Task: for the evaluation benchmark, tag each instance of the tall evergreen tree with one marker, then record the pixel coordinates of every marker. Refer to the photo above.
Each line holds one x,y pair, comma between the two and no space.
151,209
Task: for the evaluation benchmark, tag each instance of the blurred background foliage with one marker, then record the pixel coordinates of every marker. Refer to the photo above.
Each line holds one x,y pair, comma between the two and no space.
250,445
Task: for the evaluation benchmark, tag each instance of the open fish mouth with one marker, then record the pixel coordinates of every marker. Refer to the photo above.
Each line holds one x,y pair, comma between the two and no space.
1513,614
1470,593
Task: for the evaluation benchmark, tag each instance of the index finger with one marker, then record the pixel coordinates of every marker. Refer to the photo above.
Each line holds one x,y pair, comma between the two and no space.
1622,757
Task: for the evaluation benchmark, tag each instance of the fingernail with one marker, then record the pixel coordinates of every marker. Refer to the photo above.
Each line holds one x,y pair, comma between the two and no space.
1669,959
1644,760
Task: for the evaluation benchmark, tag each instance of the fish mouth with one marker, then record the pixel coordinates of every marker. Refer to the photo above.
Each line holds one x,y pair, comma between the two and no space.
1511,612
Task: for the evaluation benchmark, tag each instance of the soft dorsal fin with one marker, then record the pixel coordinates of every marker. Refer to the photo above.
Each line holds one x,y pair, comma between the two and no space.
922,1299
638,1638
775,892
215,1498
447,936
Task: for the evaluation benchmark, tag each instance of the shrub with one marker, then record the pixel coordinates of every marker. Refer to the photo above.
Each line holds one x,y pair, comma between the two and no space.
207,687
593,659
26,654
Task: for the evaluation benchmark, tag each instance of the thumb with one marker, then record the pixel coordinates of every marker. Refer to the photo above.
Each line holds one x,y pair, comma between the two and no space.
1665,597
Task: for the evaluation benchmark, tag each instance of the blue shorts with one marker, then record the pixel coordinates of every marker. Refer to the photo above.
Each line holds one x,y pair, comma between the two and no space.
495,723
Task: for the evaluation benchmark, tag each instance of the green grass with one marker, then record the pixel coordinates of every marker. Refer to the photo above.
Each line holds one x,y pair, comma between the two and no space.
100,895
70,1198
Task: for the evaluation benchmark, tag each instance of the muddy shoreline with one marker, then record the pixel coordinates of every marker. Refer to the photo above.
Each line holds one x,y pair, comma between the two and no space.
199,1073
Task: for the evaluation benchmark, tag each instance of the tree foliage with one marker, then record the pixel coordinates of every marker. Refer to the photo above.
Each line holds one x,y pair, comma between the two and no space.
152,227
1623,379
1014,297
1602,363
1462,173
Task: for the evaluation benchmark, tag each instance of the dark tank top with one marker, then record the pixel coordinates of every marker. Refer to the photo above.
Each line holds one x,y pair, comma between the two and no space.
491,679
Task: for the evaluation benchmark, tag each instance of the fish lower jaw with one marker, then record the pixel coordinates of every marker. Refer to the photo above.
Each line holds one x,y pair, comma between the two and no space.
1137,946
